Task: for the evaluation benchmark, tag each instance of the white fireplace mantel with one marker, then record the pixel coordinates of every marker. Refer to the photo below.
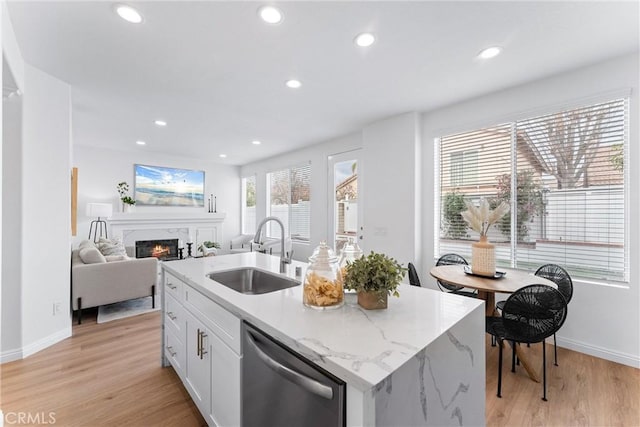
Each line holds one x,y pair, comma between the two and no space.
196,227
144,218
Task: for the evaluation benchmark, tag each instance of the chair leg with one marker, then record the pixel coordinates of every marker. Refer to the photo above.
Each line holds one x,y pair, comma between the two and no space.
555,351
500,344
493,341
544,371
513,356
153,296
79,311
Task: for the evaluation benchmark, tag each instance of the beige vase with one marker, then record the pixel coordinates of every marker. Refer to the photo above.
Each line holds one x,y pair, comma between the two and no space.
372,300
483,257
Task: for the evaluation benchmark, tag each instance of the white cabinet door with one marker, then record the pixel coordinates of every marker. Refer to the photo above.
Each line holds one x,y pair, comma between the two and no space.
225,384
174,352
198,363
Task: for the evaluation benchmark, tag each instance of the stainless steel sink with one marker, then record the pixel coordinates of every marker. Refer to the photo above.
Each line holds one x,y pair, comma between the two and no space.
252,281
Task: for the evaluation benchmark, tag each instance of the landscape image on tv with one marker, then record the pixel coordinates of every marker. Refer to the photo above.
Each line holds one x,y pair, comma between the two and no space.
161,186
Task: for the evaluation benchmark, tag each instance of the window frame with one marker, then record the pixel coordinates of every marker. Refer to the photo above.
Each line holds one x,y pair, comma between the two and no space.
624,118
288,170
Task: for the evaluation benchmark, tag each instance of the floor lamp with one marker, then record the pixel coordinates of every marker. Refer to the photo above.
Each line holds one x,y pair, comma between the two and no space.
100,210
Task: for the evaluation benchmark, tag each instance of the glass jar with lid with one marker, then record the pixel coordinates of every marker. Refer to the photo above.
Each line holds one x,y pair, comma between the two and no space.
350,252
322,287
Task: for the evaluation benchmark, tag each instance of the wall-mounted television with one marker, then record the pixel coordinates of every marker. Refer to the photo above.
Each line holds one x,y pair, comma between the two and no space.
162,186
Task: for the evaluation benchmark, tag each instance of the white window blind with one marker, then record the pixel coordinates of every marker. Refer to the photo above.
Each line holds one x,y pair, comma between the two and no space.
289,201
564,176
249,205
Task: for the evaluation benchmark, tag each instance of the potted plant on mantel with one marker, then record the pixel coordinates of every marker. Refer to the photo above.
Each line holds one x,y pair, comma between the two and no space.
209,248
127,201
374,277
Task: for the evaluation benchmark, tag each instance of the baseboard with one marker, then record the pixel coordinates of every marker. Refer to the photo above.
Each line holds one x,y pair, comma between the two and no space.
603,353
45,342
10,355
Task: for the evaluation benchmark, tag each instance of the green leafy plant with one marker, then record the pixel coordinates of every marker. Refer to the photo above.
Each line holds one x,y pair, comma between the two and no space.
374,273
123,191
454,225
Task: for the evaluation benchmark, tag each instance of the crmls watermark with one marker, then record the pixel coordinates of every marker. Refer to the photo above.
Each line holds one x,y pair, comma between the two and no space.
24,417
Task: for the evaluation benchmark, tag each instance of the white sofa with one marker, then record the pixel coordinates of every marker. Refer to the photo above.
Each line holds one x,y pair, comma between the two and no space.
101,282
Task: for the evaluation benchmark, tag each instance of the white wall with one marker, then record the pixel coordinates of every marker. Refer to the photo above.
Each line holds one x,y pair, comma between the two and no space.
317,155
100,170
603,320
388,187
11,227
46,213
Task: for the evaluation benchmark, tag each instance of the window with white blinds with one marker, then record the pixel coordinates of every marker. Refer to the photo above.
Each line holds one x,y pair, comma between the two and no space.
289,200
249,205
564,177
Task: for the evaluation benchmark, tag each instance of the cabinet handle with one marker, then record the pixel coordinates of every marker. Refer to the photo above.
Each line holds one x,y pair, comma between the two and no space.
171,286
199,344
171,352
202,337
171,315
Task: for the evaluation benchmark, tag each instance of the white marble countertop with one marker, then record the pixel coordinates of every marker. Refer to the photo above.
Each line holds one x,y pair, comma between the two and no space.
362,347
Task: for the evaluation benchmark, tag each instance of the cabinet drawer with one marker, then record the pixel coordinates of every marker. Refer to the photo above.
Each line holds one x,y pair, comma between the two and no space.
174,317
175,352
173,286
224,324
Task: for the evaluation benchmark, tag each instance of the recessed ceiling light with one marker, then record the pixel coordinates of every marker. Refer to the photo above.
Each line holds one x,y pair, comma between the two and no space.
365,39
223,156
141,143
256,142
160,122
490,52
293,84
270,14
129,14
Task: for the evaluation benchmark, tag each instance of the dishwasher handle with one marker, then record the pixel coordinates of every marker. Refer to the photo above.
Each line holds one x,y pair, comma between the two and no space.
303,381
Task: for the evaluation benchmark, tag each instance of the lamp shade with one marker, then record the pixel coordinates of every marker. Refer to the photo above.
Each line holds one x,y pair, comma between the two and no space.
100,210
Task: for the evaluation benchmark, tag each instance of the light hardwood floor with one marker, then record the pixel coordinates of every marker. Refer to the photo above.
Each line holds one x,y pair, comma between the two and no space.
110,375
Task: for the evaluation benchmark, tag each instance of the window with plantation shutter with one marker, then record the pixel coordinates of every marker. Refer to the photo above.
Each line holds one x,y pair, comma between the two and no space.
249,205
564,177
289,201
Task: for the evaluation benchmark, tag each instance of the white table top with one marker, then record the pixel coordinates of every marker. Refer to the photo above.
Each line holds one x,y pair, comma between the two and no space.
360,346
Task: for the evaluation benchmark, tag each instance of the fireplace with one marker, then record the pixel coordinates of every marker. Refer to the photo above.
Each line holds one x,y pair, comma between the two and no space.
164,249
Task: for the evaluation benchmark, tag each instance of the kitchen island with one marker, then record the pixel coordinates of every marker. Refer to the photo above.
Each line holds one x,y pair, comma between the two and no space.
419,362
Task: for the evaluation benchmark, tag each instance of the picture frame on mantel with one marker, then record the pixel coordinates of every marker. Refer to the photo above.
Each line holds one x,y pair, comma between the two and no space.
166,186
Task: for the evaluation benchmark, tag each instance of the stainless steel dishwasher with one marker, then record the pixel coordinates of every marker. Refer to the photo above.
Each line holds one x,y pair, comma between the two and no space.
281,388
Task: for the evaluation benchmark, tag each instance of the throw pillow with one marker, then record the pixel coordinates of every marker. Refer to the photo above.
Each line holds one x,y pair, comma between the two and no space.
91,256
111,247
86,244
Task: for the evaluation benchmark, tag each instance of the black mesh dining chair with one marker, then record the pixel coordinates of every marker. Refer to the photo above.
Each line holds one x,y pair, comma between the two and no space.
453,259
414,280
530,315
561,278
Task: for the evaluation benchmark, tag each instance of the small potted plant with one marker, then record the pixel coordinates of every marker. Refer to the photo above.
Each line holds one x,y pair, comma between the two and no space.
209,248
127,201
374,277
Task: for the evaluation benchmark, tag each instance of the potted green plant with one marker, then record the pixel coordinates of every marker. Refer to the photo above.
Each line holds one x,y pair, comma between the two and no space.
123,191
209,248
374,277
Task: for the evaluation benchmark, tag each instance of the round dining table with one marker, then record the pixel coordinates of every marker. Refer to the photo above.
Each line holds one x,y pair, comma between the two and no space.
510,281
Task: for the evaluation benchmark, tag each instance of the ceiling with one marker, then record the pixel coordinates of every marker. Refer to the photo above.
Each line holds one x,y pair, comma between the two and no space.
215,72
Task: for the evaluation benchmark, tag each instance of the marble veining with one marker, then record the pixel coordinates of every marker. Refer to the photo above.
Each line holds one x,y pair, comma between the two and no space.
442,396
460,346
